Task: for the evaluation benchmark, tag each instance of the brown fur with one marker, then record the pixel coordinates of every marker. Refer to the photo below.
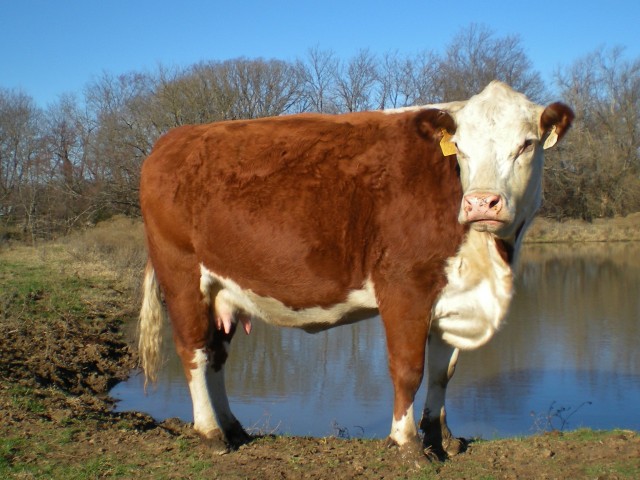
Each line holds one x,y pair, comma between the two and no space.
559,115
305,209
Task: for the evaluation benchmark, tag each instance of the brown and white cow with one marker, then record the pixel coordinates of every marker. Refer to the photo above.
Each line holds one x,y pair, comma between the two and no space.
314,221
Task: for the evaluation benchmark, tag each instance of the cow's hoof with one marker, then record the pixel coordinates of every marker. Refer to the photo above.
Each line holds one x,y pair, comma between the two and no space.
453,446
448,447
411,451
236,435
216,441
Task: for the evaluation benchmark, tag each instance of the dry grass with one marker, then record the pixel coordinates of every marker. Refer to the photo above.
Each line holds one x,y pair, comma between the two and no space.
617,229
114,249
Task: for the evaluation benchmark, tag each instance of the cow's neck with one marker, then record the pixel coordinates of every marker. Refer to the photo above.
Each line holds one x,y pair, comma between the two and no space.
510,247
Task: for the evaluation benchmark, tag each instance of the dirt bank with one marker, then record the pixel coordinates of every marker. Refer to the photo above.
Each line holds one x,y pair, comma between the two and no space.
617,229
62,348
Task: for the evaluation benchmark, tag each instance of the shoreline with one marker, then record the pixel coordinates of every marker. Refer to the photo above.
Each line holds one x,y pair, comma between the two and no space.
616,229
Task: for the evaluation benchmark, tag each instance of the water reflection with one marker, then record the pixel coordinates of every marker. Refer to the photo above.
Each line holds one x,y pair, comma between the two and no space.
571,337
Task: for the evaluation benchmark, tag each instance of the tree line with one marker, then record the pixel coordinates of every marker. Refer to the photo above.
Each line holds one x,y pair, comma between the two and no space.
78,161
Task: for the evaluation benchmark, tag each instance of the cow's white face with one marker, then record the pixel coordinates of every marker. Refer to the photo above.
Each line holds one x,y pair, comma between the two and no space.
500,139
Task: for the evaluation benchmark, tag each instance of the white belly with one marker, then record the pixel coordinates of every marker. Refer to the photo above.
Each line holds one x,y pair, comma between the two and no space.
359,304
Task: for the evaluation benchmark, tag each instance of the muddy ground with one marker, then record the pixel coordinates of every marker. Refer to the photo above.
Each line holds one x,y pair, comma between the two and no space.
62,348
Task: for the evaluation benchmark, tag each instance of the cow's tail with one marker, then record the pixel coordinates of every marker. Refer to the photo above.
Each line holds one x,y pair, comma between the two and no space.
152,319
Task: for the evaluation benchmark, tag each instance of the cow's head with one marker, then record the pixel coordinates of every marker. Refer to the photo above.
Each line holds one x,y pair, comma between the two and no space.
500,139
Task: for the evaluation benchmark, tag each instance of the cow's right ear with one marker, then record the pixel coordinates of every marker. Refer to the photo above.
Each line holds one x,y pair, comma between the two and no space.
555,121
433,123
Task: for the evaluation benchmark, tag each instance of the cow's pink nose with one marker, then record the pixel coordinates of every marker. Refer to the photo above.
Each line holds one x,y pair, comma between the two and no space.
482,206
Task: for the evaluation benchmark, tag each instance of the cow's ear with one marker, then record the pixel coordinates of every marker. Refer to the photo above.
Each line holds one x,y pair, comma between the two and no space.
555,121
433,124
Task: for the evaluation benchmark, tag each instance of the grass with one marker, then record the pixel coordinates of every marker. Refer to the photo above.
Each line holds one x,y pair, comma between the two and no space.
117,243
9,448
97,467
614,470
67,277
25,398
37,289
49,452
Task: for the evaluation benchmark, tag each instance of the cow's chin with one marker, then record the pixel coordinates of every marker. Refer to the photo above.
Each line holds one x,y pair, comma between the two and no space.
496,227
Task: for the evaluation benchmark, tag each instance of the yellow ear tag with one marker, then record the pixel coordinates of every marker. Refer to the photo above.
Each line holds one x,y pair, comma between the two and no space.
447,146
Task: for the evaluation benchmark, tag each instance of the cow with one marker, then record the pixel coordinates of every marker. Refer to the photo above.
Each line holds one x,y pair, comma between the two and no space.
314,221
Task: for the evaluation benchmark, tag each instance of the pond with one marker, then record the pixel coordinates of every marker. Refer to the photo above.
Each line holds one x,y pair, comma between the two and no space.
567,357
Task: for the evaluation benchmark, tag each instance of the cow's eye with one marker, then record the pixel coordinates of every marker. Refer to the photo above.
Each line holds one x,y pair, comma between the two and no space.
527,146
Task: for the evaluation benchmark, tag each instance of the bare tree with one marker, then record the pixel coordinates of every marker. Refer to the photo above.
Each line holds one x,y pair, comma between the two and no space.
20,155
212,92
263,88
422,77
122,139
67,135
67,131
476,56
199,94
394,85
355,81
318,74
600,173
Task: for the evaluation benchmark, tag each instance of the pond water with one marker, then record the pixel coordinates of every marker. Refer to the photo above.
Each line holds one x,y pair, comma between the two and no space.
567,357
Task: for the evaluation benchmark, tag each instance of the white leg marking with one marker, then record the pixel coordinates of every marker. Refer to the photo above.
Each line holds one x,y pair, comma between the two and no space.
204,420
215,383
404,430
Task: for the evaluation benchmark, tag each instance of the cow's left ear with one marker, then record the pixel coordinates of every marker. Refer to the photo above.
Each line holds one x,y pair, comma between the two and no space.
430,124
555,121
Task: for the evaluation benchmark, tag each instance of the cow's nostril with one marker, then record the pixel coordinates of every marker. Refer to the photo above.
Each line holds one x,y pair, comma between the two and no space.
494,202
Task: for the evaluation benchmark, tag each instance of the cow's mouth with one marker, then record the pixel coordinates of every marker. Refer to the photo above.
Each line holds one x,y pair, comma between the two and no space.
486,225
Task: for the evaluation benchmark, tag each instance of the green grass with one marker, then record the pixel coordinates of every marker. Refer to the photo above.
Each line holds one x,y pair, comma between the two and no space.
29,290
615,470
97,467
17,458
9,448
587,434
26,399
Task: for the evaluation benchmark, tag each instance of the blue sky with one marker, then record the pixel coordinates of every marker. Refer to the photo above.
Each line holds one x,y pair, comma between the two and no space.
51,47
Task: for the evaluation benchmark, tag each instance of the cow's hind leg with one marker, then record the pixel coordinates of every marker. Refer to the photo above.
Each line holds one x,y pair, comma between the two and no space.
441,363
204,368
219,347
203,350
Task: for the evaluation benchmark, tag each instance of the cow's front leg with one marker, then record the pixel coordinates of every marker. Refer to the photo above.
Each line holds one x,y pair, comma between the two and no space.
441,364
406,341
